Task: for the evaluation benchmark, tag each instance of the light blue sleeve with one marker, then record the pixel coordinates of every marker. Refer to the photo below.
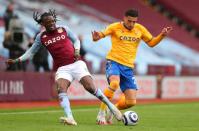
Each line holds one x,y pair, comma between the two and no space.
33,49
73,38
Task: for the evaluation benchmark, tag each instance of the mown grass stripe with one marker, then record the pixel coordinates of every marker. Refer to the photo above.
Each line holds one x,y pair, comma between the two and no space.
41,112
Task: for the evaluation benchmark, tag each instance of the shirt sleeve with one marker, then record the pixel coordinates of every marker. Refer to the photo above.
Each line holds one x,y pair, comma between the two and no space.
146,35
33,49
73,38
107,31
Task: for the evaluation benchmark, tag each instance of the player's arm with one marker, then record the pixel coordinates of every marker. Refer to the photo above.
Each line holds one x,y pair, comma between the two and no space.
75,41
156,40
29,53
98,35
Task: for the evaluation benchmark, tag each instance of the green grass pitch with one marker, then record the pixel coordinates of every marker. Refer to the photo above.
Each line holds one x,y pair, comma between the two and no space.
153,117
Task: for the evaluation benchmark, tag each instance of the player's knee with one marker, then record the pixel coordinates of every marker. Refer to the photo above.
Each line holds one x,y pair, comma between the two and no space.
114,85
61,87
131,102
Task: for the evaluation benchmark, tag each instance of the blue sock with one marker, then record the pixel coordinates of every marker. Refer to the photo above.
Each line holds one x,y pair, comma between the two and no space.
64,102
104,99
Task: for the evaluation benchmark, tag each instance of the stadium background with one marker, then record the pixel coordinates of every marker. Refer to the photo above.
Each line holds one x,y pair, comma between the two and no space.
168,73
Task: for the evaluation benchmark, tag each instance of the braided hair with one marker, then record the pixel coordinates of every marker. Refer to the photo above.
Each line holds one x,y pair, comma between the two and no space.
39,17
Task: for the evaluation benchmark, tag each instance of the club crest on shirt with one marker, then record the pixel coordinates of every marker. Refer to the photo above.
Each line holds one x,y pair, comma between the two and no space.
60,30
44,36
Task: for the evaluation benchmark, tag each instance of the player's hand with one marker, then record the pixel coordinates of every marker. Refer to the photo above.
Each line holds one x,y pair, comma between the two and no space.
77,54
95,35
166,30
10,62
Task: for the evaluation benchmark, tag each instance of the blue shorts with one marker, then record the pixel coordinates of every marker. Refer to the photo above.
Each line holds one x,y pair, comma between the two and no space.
127,79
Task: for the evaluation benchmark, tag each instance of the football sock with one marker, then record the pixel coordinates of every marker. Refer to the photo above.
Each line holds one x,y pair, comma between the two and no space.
65,104
103,98
109,93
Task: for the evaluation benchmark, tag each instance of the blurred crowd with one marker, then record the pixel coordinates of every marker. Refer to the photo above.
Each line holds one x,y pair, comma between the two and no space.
17,41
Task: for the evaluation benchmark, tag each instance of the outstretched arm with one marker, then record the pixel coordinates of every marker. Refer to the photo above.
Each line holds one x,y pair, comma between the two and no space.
98,35
28,54
154,41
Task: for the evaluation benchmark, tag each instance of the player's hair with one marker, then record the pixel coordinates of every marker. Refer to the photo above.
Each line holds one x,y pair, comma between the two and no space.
39,17
132,13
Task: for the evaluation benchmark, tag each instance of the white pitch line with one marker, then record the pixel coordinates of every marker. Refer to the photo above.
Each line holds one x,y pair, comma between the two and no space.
41,112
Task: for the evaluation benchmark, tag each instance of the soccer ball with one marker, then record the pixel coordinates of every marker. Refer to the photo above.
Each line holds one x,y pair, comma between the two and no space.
130,118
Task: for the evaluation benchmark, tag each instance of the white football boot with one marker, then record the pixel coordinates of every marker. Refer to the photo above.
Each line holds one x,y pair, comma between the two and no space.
116,112
109,117
101,118
68,121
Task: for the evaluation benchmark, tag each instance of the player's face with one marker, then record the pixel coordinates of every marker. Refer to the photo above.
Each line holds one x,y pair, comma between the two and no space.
129,22
49,23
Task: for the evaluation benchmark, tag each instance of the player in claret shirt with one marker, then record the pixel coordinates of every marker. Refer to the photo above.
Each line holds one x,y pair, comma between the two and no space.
64,47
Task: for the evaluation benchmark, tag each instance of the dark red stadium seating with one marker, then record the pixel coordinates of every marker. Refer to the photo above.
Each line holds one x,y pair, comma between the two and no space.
2,63
165,70
1,22
185,9
102,67
153,20
189,71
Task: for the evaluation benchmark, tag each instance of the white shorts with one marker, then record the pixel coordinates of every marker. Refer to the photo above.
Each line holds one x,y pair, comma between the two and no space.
72,71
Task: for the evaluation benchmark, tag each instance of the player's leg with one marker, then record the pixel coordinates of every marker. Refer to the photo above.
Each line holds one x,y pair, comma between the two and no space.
81,73
112,74
109,93
88,84
127,99
129,89
63,81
